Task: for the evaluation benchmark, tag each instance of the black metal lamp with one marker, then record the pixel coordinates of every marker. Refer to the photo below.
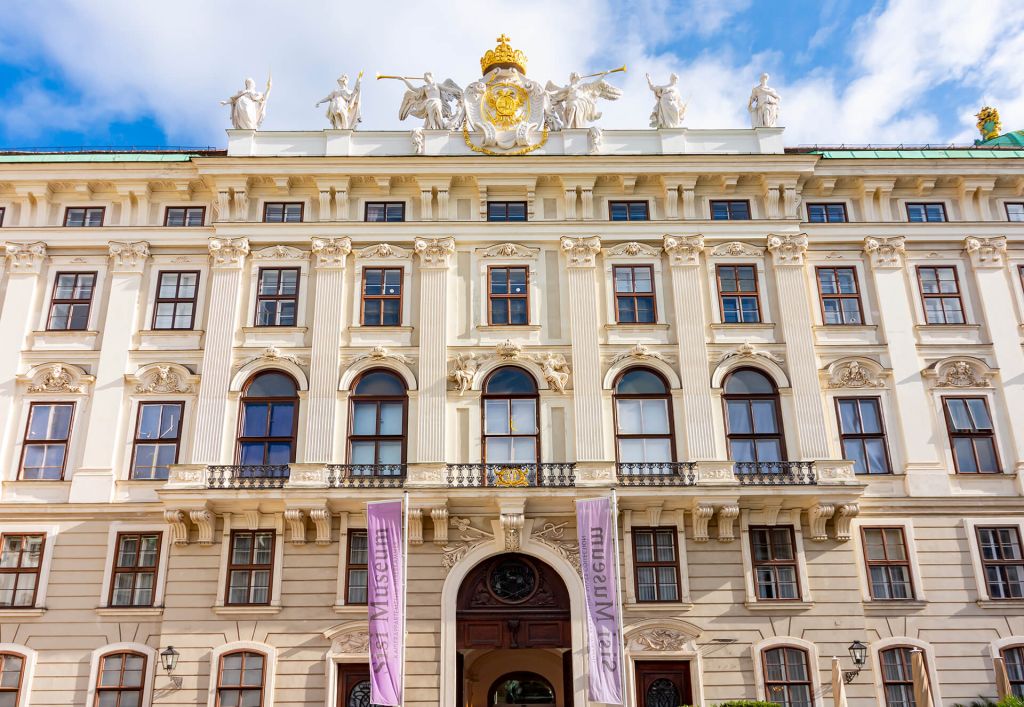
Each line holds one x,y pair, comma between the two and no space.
859,656
169,659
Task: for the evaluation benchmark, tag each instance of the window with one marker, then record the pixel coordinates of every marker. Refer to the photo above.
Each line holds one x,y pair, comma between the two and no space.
634,294
1002,562
250,566
282,212
385,211
1014,658
643,414
774,554
157,436
505,211
72,298
119,681
971,436
176,300
1014,212
511,434
270,405
45,449
737,294
897,676
184,216
355,571
940,294
21,557
133,582
926,213
78,217
752,417
840,296
382,296
240,679
277,297
862,434
885,553
733,210
508,296
787,677
826,213
521,688
377,434
3,212
655,564
629,211
11,670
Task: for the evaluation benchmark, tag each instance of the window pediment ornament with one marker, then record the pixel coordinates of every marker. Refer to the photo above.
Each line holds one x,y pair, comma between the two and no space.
354,642
632,250
639,352
25,257
508,250
855,373
684,250
280,252
272,353
464,367
228,252
331,252
886,252
656,638
962,373
986,252
58,378
164,378
748,350
787,248
581,252
384,251
378,353
735,249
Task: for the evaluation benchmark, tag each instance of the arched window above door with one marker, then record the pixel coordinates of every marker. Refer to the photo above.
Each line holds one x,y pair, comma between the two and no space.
753,419
377,431
269,418
511,433
643,414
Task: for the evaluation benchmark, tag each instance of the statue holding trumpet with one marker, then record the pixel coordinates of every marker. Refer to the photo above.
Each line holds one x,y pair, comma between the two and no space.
439,105
343,104
576,103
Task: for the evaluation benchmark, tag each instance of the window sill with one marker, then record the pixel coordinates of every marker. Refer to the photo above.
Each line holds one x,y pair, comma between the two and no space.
893,607
171,332
272,328
768,605
847,328
508,327
661,607
22,613
390,329
1017,604
948,327
247,610
749,326
351,609
129,611
635,326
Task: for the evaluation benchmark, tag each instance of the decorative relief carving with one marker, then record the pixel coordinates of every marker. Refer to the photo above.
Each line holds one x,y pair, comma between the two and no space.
508,250
228,252
787,248
163,378
581,252
657,639
58,378
886,252
632,250
383,250
512,527
280,252
184,475
556,371
835,472
468,538
683,250
379,353
961,373
735,249
508,350
639,352
25,257
331,252
748,350
272,353
463,371
434,252
986,252
855,374
128,255
354,642
464,366
551,536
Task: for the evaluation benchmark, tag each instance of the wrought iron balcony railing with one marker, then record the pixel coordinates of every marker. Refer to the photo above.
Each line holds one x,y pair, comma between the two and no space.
247,476
373,476
511,475
656,473
775,473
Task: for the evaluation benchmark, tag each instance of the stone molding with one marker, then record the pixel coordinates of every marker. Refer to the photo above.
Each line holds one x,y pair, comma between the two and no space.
683,250
886,253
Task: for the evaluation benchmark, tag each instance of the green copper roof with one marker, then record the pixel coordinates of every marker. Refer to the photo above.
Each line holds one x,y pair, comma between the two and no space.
926,154
1014,139
99,157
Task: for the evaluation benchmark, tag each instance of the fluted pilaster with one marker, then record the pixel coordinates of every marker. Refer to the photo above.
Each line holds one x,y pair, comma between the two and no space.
435,259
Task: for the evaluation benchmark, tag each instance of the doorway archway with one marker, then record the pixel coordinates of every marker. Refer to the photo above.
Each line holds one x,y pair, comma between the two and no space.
522,688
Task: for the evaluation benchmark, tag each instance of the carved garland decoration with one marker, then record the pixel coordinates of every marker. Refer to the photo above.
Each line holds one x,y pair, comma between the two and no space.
554,367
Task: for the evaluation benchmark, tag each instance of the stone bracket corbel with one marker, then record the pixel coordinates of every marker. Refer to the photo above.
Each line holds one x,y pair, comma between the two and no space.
844,516
818,516
296,520
702,513
321,518
415,526
175,519
439,517
727,516
204,521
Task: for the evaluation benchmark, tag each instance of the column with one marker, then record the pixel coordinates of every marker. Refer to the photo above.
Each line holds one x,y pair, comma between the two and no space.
227,257
93,481
702,441
795,315
435,258
331,255
581,261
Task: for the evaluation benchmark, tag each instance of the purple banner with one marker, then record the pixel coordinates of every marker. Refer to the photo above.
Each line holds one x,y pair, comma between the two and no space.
385,587
600,580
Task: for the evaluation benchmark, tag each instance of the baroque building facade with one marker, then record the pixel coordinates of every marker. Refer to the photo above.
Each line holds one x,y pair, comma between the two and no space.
799,371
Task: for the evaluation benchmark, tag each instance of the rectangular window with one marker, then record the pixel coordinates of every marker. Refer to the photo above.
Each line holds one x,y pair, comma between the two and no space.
971,435
885,553
940,295
508,296
774,554
382,296
926,213
71,301
656,564
157,436
283,212
629,211
634,294
737,294
176,300
1002,562
185,216
45,447
505,211
1014,658
862,434
840,296
356,568
1015,212
384,211
826,213
78,217
3,212
731,210
133,580
21,557
250,566
277,297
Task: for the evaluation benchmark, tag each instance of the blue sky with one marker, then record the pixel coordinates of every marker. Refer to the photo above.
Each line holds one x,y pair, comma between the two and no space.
124,72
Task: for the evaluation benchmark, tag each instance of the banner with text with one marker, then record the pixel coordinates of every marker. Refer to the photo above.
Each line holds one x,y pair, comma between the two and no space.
600,580
385,589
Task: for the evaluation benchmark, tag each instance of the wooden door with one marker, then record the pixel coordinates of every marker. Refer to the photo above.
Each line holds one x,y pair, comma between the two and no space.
567,681
354,685
663,683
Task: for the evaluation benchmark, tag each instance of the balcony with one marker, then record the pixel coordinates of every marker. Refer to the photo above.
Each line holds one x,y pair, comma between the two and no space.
247,476
549,475
775,473
365,476
656,474
279,476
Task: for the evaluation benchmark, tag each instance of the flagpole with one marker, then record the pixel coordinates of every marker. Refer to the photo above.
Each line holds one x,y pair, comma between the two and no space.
405,588
618,595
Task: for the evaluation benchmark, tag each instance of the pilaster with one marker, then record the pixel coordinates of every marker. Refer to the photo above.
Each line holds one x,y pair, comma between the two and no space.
435,256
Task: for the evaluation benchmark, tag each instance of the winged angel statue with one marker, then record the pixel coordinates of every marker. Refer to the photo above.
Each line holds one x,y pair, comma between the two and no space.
575,104
438,104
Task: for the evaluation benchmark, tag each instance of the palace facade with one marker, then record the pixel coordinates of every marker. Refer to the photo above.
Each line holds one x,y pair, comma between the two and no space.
799,371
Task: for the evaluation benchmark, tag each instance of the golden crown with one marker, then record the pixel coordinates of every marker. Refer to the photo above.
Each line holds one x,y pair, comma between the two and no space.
503,56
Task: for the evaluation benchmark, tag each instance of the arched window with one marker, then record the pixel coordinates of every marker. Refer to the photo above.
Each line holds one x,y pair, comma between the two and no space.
752,417
120,679
270,404
521,688
240,679
12,671
897,677
1014,657
643,414
377,423
511,433
787,677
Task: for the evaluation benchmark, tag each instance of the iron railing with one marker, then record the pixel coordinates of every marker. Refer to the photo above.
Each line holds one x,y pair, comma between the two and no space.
657,473
370,476
511,475
247,476
775,473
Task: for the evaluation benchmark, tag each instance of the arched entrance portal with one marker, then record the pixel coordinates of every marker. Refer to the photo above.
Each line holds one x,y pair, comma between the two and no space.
513,623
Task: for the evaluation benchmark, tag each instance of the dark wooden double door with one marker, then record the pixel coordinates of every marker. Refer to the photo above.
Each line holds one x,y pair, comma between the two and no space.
354,685
663,683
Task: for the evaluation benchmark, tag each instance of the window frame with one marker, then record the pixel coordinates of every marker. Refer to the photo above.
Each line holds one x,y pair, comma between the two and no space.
1016,686
240,439
839,296
884,682
260,297
509,296
666,396
20,691
506,203
485,396
794,563
250,568
26,442
722,294
3,213
284,211
777,408
136,569
985,563
158,300
16,571
729,207
826,205
808,669
186,209
136,440
217,685
633,295
86,209
869,563
366,210
363,296
862,436
673,533
958,295
54,300
355,398
628,204
925,204
951,435
1006,209
350,566
120,688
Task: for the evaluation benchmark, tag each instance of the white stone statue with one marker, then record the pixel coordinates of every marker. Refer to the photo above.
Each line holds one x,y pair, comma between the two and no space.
439,105
463,370
556,371
577,101
763,105
669,110
343,110
248,106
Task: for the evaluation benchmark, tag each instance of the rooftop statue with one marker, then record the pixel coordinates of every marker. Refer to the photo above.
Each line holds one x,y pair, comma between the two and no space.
248,106
763,105
669,110
576,102
343,104
439,105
